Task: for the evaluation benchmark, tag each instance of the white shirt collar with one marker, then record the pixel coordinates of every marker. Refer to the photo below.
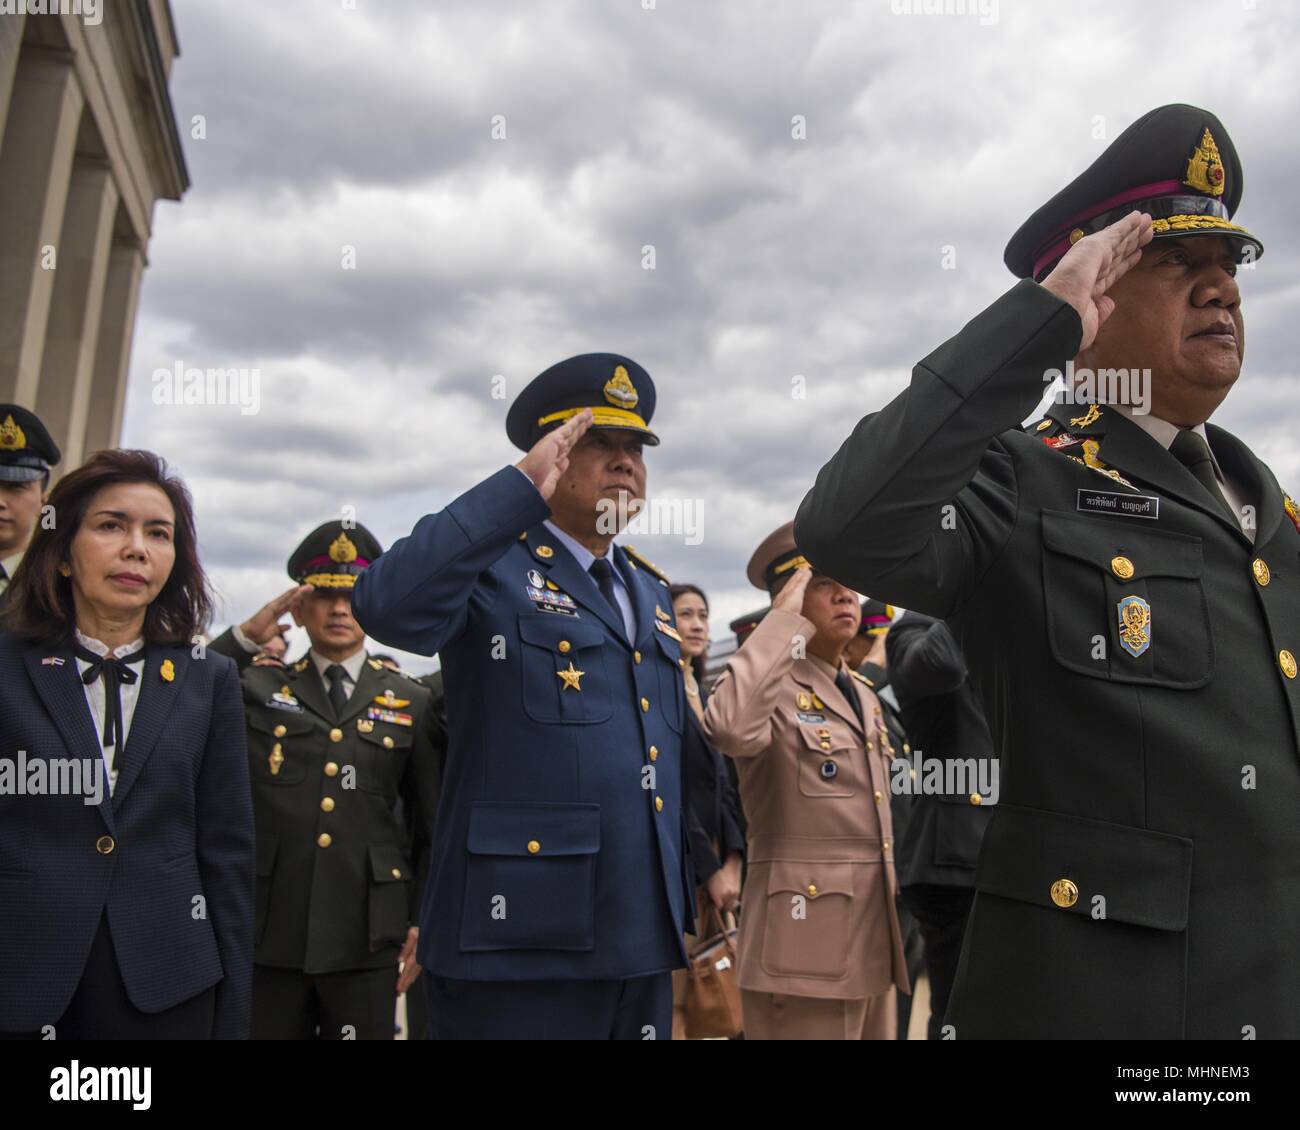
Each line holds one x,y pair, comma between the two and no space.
1163,432
12,562
352,664
581,553
92,644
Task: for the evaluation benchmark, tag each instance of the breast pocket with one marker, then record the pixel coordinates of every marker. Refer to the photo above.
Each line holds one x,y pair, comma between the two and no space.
277,746
381,755
563,669
1124,603
829,760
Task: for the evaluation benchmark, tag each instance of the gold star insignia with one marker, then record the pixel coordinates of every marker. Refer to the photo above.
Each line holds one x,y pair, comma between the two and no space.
571,677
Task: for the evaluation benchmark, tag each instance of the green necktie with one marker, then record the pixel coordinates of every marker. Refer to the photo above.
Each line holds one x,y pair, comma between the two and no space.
1191,450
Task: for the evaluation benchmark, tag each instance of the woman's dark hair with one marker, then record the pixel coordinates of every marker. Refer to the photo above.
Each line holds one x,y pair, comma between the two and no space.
674,591
40,606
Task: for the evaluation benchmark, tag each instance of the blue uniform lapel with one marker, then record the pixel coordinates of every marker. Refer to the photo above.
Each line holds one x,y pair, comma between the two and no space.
641,602
562,567
60,688
157,697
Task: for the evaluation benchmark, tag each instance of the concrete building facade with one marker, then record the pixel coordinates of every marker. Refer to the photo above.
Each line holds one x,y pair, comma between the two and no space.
88,144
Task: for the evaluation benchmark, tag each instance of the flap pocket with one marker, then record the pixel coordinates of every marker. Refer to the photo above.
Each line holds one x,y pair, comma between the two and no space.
271,721
1098,541
550,630
266,849
537,829
811,879
1097,869
388,864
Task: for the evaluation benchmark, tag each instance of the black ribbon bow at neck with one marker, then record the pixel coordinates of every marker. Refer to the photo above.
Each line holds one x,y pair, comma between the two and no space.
114,672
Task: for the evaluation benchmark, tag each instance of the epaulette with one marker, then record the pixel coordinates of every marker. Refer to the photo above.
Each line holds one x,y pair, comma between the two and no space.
649,566
375,664
862,678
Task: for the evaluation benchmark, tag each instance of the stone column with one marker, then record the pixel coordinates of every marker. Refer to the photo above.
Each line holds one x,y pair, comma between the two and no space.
11,41
35,167
113,353
72,334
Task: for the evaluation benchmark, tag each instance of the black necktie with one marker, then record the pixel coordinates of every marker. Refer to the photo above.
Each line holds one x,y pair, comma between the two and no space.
338,696
1191,450
114,673
845,684
603,573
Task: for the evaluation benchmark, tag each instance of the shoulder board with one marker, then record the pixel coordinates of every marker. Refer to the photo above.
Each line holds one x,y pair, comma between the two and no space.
375,664
649,566
862,678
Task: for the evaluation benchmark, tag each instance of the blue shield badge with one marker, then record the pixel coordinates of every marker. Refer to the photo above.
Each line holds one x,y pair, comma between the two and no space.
1134,625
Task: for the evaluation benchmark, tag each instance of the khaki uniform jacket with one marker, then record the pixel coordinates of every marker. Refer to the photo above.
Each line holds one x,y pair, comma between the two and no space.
819,914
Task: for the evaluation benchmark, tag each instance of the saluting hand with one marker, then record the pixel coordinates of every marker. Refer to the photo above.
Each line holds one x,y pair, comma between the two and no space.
264,625
549,458
1093,265
790,598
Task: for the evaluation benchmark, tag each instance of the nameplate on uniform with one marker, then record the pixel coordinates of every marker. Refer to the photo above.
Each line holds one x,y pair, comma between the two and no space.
284,701
803,716
549,601
1125,505
396,717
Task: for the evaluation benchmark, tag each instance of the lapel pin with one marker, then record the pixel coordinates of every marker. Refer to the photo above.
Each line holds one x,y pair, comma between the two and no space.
52,661
544,551
167,671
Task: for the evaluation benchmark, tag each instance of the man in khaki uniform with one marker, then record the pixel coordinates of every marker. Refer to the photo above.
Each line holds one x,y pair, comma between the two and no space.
819,950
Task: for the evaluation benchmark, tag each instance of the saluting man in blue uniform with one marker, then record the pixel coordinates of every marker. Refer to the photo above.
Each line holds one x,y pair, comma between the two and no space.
560,886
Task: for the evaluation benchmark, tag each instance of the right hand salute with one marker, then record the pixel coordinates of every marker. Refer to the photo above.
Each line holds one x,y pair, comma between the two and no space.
1093,265
790,598
549,457
264,624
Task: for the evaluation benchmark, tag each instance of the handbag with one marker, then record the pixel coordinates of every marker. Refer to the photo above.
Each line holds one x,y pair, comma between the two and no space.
712,1001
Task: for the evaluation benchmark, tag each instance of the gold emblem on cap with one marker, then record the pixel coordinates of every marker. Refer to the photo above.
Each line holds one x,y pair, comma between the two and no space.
620,391
1205,167
12,437
342,550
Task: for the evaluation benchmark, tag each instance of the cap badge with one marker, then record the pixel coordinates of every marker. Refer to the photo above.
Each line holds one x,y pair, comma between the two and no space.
342,550
11,436
1205,167
619,390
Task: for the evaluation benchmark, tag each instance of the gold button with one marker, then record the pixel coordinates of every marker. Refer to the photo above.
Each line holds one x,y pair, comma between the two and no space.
327,804
534,847
879,796
812,890
1260,569
1122,567
336,735
976,799
1064,893
1076,234
659,804
397,873
104,845
280,731
331,768
388,742
637,656
886,847
654,753
324,839
645,705
682,664
1287,662
565,647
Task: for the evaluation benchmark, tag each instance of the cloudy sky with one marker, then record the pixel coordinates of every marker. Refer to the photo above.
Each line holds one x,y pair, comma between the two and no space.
481,259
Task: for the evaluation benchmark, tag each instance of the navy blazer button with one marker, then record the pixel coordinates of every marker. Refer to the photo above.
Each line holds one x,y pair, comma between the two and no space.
104,845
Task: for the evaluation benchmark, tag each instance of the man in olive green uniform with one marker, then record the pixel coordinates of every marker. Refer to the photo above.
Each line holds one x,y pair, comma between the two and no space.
1123,580
334,741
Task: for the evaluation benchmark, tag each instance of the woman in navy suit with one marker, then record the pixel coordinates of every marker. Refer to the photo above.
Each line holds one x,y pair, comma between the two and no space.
126,824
